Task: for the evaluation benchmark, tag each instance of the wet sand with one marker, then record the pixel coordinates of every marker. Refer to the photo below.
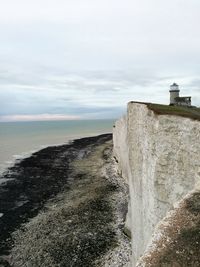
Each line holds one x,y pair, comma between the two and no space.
65,206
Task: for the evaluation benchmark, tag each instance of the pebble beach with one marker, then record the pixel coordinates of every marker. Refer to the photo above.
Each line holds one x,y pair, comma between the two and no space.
65,206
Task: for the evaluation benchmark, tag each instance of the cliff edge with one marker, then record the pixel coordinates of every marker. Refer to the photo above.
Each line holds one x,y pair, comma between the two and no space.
158,149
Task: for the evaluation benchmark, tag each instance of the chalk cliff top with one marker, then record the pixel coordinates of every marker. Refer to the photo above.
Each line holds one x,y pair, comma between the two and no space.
191,112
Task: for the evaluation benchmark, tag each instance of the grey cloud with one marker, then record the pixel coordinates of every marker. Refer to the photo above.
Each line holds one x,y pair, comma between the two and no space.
195,84
78,95
76,57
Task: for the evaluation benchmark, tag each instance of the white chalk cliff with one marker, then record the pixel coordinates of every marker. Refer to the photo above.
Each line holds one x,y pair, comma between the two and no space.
159,156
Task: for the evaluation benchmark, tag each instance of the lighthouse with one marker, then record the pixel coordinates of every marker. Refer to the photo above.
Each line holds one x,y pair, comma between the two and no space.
174,93
176,100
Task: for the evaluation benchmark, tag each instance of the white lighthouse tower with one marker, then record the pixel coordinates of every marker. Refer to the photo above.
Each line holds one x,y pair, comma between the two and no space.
174,93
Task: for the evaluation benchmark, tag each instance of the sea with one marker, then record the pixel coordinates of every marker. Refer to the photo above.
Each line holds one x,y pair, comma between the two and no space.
20,139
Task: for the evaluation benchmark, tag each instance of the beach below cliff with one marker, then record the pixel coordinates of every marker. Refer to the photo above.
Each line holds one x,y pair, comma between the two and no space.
65,206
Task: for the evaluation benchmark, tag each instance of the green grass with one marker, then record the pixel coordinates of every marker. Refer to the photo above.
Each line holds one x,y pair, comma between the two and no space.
189,112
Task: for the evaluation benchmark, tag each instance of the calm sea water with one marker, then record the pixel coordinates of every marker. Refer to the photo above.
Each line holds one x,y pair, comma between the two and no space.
20,139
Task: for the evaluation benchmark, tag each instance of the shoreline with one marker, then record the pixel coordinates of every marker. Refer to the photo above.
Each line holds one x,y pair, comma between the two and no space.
21,138
15,158
23,199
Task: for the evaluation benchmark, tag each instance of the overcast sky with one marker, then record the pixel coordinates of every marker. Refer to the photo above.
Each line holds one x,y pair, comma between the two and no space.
70,59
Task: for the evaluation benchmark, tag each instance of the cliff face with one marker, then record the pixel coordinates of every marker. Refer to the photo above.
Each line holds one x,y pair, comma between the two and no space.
159,156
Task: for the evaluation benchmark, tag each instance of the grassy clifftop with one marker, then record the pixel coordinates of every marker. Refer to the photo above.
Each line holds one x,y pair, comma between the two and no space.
191,112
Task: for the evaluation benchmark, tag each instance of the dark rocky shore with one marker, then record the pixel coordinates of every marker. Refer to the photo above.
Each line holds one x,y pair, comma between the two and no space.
65,206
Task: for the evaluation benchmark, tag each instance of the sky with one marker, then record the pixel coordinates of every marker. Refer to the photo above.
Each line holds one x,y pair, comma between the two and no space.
85,59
